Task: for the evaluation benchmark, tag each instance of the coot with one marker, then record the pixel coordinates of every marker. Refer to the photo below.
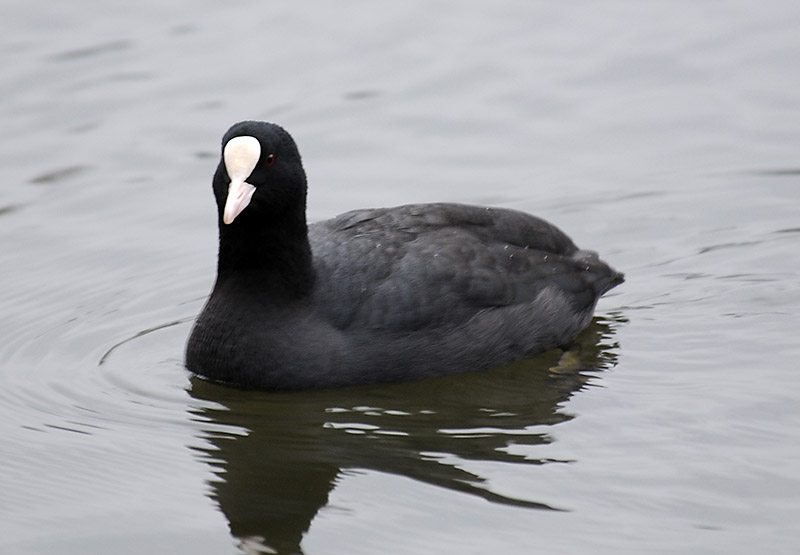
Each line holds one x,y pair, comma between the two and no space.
378,295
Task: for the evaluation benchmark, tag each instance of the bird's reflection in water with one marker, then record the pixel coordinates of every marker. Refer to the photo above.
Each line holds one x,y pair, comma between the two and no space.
276,456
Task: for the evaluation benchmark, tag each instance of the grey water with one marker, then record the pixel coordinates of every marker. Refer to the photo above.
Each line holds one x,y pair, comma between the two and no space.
665,135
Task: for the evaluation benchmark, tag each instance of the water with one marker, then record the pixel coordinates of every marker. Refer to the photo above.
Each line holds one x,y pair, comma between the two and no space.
665,135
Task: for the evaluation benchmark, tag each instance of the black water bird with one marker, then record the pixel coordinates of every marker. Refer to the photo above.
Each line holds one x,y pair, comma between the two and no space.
376,295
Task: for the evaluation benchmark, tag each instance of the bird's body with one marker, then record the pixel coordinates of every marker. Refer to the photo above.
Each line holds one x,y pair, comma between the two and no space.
379,295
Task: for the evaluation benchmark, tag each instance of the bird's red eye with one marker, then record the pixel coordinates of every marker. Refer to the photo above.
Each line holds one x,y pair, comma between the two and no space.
269,160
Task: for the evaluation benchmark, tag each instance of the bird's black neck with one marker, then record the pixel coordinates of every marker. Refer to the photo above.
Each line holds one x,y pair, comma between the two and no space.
272,258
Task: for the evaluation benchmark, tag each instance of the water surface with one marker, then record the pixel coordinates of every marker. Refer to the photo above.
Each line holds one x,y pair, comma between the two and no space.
665,135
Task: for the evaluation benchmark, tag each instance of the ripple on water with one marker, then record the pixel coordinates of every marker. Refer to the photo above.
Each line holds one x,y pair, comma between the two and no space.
74,417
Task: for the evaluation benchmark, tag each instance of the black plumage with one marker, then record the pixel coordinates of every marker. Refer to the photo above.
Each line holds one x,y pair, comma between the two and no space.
379,295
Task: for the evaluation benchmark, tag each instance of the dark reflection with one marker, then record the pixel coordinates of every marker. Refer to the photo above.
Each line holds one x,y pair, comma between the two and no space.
92,50
58,175
277,456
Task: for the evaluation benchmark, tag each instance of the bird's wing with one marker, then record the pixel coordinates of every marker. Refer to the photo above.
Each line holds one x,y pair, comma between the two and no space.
415,266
